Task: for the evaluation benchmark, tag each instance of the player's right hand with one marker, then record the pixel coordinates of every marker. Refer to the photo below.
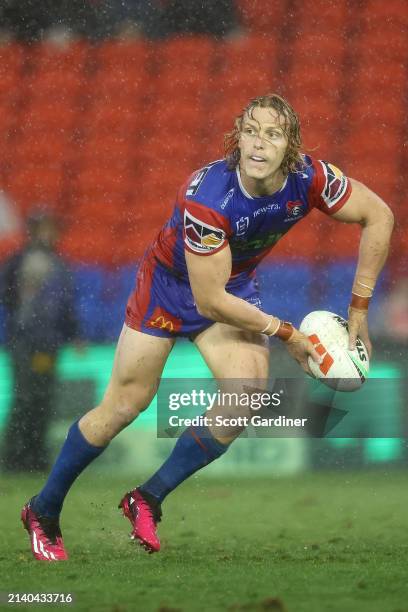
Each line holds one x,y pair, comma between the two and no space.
300,348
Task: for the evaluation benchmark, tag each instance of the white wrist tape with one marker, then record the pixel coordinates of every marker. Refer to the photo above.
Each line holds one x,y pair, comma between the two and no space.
268,326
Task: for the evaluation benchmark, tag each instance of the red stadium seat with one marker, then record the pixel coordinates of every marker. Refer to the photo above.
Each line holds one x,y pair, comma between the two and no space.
39,147
193,50
7,116
111,119
322,16
371,81
392,46
49,57
10,245
166,190
305,234
132,55
10,82
132,242
12,56
222,120
247,54
384,179
84,243
263,17
379,13
11,65
154,209
317,81
101,182
154,112
100,212
60,85
321,50
181,86
106,146
50,115
116,84
374,143
378,110
318,143
181,119
32,185
318,121
235,92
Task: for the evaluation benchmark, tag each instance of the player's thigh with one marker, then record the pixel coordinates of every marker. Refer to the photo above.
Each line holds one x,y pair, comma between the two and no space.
137,368
239,360
234,353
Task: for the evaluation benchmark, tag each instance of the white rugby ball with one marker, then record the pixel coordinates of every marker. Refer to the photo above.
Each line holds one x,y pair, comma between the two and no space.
340,369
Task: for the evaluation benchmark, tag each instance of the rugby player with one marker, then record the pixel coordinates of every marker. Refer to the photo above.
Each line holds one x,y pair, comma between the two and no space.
198,280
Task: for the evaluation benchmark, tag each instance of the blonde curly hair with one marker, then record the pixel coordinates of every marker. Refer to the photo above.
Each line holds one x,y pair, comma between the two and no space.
291,126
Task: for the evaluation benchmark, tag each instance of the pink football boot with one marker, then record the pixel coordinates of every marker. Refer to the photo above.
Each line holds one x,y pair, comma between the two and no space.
45,535
144,513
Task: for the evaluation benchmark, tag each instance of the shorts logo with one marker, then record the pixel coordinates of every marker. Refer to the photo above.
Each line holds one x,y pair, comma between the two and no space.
294,209
201,237
335,186
161,319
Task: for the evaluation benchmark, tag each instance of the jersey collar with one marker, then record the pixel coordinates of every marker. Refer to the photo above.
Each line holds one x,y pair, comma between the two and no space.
247,195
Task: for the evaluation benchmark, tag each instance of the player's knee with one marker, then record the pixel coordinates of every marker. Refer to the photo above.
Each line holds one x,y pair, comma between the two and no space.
126,401
133,399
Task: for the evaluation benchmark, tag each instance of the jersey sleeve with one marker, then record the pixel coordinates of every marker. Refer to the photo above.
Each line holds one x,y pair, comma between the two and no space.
205,230
330,188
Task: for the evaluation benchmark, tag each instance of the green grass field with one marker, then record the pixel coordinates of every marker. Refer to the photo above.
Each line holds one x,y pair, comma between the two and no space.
316,543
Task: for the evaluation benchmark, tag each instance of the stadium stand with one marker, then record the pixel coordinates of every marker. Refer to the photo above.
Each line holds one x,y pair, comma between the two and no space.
105,132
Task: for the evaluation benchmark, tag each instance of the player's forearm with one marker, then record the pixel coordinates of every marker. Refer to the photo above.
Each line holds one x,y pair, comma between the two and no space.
374,246
226,308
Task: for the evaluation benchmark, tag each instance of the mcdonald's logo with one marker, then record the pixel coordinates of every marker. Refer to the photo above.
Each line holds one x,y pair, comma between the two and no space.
162,323
161,319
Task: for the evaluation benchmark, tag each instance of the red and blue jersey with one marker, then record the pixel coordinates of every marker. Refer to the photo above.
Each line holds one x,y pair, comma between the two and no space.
214,210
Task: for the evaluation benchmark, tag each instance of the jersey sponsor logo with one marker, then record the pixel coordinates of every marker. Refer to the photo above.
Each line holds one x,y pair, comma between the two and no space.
258,243
201,237
227,198
266,209
161,319
242,226
335,185
294,209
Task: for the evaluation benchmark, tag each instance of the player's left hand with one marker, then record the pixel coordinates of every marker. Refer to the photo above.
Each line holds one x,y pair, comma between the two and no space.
358,326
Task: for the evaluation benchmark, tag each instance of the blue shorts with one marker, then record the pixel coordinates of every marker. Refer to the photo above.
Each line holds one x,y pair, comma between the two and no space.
162,303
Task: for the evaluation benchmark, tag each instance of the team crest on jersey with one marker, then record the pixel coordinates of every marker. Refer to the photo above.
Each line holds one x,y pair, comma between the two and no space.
335,186
294,209
201,237
242,225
